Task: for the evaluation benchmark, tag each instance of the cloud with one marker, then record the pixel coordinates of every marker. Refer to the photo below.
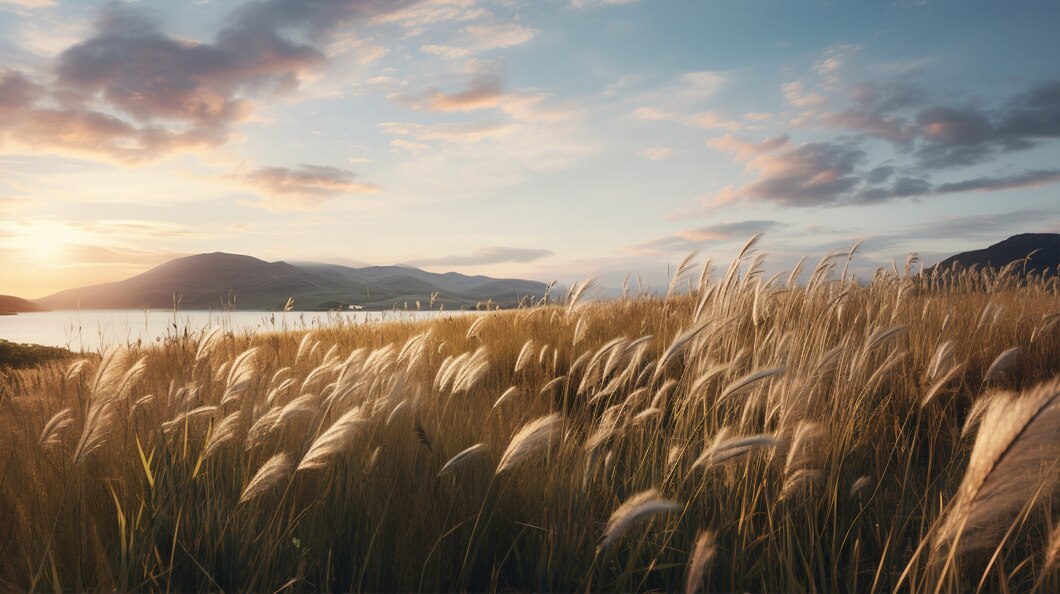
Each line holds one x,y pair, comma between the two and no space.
482,91
139,228
98,255
947,136
796,94
657,153
593,3
305,187
9,204
27,121
448,133
831,173
1027,179
130,92
486,255
417,17
27,4
500,35
409,146
714,121
693,239
483,37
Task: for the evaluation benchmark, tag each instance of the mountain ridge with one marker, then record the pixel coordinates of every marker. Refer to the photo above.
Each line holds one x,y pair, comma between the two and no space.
1043,249
225,280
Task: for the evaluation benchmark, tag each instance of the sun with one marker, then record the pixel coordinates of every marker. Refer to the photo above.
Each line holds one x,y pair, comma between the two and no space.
44,243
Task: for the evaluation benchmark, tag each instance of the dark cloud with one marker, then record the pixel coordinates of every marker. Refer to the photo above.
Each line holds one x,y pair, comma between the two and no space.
306,186
806,175
131,92
1028,179
834,173
693,239
486,255
27,120
943,136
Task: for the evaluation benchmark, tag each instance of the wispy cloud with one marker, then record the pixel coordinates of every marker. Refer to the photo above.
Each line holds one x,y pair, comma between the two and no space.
486,255
304,187
693,239
657,153
479,38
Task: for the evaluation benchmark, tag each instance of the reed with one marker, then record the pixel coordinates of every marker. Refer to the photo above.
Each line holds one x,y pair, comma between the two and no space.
811,431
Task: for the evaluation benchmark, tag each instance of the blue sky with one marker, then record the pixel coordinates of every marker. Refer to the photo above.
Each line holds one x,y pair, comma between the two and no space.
550,139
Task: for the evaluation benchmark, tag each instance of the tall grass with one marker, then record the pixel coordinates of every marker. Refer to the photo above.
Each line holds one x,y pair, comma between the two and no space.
738,434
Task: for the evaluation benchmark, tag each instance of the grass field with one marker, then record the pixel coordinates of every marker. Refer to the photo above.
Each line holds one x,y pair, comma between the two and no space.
740,434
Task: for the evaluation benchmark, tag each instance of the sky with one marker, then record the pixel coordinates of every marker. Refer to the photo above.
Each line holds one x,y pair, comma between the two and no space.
542,139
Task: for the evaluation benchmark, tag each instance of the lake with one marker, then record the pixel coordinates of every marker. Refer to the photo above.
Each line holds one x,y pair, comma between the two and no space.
91,330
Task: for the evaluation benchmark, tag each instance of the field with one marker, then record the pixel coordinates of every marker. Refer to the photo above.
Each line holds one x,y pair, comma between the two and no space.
742,433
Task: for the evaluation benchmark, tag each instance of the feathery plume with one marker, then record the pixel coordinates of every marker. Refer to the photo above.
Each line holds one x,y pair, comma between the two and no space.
937,386
268,476
59,421
746,381
172,424
637,508
702,555
94,433
462,457
534,436
725,449
1018,436
1052,554
512,391
859,484
332,441
227,430
1001,362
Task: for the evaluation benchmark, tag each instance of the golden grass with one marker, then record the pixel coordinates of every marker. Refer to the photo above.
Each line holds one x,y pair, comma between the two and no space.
739,434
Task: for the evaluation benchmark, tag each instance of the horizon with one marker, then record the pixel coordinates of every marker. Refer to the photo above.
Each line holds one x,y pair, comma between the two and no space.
555,140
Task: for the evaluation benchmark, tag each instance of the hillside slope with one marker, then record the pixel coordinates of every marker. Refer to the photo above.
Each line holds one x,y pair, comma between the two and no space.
11,304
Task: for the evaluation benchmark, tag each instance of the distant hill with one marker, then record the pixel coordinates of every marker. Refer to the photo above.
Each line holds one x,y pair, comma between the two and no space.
1017,247
216,279
10,304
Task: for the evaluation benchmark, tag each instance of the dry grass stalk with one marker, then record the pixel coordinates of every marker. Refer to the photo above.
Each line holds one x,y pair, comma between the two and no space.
462,457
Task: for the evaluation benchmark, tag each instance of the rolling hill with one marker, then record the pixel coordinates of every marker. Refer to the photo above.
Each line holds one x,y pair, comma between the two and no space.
219,279
1045,248
10,304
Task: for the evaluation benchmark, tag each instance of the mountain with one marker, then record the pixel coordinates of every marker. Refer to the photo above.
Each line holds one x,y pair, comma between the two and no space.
219,279
1017,247
10,305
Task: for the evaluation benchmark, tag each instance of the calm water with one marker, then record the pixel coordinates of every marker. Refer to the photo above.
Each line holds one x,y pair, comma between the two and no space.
89,330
